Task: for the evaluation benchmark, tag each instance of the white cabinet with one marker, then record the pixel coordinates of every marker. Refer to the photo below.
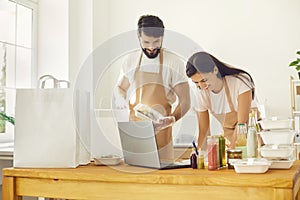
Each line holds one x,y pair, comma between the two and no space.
295,102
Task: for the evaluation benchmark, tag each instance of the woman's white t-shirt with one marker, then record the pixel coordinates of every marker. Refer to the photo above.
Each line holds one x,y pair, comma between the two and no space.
219,102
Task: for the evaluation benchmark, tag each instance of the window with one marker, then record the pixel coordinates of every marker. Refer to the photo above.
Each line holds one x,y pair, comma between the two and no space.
17,55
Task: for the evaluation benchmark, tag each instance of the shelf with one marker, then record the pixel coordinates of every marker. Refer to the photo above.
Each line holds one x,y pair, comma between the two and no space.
295,102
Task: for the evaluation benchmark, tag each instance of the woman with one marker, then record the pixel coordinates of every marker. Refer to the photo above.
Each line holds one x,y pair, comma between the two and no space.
224,91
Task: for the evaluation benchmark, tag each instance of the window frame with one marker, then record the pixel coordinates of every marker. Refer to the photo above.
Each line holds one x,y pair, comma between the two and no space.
33,5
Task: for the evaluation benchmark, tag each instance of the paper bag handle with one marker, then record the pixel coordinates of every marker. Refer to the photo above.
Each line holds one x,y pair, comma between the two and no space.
56,83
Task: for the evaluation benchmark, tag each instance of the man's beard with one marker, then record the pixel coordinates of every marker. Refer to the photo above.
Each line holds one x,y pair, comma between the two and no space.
150,55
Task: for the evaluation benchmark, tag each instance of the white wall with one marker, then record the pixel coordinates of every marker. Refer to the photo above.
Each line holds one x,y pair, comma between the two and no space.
53,38
258,36
80,34
64,36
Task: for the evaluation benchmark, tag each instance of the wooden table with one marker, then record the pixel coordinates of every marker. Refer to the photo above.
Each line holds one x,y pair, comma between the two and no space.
126,182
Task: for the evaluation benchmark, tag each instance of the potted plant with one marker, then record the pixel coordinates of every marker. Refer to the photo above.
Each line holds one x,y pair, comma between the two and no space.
296,63
5,117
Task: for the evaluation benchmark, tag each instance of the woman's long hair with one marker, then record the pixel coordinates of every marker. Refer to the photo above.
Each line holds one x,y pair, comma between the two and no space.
203,62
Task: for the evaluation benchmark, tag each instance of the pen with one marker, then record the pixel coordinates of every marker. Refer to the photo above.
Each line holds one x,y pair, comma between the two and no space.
195,147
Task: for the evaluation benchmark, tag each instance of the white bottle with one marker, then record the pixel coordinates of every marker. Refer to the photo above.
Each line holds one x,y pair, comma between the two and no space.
252,144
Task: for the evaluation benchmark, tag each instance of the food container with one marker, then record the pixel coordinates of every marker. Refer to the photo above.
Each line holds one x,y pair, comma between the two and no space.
277,136
145,112
281,164
276,123
232,156
108,160
276,151
251,165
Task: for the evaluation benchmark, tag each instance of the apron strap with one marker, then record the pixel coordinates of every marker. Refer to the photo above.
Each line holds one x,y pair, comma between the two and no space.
228,95
138,94
161,61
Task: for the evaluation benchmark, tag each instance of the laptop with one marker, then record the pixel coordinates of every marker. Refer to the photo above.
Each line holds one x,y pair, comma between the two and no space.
140,148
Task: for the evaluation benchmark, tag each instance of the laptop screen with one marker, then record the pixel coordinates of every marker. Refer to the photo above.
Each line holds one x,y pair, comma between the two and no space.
139,144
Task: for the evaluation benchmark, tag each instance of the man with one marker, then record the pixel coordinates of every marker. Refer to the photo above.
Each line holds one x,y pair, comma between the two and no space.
154,77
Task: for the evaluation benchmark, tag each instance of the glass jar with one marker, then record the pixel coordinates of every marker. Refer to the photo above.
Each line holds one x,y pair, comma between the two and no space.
241,135
233,155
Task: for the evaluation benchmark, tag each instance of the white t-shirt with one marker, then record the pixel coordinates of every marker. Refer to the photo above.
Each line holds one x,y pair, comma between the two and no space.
219,103
173,72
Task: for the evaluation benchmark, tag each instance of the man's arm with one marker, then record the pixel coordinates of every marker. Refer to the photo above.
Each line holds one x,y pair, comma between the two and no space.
182,90
120,93
123,87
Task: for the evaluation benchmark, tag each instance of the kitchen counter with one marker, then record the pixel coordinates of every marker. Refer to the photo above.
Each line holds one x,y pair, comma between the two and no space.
128,182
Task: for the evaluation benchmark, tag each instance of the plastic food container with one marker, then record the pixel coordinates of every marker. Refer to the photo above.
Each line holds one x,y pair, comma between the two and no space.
147,113
277,136
251,165
276,123
281,164
108,160
276,151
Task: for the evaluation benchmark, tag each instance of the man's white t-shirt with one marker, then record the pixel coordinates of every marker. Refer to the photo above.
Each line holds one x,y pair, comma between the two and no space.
173,72
219,102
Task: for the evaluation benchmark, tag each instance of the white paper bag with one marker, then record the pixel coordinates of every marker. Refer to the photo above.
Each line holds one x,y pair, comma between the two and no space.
45,129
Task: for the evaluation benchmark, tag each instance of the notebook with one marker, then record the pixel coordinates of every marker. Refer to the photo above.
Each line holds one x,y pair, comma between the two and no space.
140,148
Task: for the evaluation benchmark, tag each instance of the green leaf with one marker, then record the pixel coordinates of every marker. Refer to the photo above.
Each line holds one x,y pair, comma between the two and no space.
294,63
298,67
298,52
10,119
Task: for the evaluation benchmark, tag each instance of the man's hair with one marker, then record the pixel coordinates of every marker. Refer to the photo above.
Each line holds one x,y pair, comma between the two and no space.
151,26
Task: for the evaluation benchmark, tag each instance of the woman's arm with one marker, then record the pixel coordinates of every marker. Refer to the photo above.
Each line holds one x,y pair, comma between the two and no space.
244,107
182,90
203,125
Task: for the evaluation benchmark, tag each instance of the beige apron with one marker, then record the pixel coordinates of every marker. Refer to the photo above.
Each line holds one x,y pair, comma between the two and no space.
150,91
229,120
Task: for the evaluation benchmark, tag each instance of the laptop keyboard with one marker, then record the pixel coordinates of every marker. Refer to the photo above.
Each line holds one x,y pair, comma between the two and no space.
166,164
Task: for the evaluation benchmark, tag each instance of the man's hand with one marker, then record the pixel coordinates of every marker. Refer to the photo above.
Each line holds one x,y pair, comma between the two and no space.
164,123
121,103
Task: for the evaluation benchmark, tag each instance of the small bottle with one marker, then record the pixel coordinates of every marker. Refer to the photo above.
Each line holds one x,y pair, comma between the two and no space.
258,128
254,111
212,152
222,157
252,144
193,159
200,162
